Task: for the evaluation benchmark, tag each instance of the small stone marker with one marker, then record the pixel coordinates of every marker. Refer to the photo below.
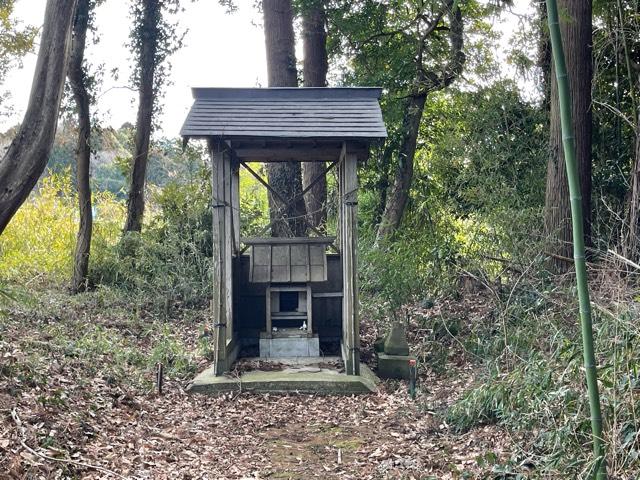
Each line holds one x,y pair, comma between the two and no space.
395,361
396,342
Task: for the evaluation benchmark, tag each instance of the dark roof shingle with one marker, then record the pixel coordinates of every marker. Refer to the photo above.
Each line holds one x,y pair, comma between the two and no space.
285,113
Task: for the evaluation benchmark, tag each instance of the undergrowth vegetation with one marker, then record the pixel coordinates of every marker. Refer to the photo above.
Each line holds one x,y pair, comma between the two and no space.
169,262
40,240
92,336
469,238
533,382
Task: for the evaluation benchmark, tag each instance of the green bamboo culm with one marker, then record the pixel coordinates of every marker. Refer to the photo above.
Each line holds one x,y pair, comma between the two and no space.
568,143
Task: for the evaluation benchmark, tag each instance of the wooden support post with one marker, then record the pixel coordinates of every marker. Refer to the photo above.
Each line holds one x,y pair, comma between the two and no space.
348,179
217,312
235,204
229,236
222,252
339,226
268,310
309,312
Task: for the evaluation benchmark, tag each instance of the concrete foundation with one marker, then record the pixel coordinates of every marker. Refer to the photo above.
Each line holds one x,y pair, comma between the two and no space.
297,378
394,366
290,346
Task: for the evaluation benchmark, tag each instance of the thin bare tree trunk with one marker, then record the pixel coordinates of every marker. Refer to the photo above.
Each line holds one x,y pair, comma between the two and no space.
631,228
399,194
285,177
315,75
575,25
27,156
382,184
77,78
146,94
631,242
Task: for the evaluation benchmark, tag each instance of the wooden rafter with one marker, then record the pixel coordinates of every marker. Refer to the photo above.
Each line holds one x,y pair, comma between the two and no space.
286,203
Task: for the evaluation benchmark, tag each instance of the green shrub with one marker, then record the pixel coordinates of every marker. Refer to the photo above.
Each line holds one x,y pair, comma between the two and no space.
40,240
171,259
173,354
537,391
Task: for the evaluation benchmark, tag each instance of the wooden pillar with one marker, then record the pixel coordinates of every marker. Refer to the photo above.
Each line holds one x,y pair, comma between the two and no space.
235,204
348,188
222,253
228,237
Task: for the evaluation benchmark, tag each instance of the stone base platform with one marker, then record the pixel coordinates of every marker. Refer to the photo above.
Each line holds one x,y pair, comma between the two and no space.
394,366
297,377
289,344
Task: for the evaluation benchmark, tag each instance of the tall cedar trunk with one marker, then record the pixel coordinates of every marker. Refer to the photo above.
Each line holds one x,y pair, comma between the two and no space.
631,242
146,93
285,177
315,75
598,468
77,78
26,157
544,55
399,194
575,25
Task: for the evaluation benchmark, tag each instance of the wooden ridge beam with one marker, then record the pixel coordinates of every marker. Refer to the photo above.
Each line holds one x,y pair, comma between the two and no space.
319,154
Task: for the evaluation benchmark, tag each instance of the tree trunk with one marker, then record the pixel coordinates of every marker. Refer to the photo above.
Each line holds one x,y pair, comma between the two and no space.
315,75
575,25
544,55
27,156
399,194
146,93
77,78
631,228
426,81
285,177
382,184
631,241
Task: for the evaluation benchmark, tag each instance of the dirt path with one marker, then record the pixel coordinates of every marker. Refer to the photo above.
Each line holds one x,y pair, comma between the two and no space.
79,381
182,436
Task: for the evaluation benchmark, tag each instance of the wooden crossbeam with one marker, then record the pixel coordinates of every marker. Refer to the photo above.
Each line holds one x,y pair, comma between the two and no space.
318,154
286,203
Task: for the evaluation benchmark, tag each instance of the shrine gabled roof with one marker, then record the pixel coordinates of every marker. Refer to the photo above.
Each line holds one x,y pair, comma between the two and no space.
322,113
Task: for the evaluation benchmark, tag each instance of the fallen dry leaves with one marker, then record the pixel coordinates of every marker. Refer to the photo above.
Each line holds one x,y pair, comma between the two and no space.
90,416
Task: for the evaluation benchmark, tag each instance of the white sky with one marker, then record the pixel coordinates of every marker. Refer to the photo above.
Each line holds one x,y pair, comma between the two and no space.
220,50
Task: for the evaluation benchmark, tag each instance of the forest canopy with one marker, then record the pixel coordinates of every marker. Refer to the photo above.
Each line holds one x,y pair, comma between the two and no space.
109,250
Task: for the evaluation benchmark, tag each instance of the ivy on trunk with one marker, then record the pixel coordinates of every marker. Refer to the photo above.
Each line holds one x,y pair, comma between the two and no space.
27,156
78,81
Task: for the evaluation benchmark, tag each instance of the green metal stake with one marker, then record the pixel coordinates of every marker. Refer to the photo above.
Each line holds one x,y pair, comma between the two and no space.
568,143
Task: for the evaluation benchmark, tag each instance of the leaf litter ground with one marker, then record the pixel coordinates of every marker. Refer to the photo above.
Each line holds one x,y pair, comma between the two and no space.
77,400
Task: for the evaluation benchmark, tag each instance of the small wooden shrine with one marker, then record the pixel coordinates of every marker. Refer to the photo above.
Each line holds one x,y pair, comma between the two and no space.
287,297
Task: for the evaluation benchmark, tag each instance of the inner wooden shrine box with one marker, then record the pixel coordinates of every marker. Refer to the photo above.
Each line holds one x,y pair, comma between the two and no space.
288,297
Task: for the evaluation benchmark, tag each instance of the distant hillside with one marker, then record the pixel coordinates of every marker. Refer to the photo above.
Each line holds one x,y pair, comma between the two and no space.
111,160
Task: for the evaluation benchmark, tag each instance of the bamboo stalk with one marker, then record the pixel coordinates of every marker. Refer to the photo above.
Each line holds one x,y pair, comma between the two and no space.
568,143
